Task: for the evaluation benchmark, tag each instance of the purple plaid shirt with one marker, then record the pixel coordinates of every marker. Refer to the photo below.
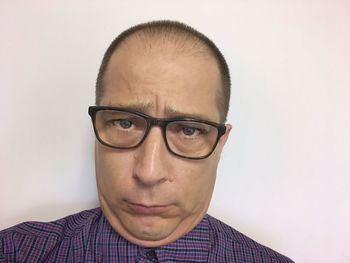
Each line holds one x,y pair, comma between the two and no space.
88,237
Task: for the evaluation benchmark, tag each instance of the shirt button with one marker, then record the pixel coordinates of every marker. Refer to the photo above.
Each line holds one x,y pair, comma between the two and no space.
150,254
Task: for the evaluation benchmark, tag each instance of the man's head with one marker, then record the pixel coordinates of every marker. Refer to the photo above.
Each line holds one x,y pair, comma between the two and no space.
183,39
164,70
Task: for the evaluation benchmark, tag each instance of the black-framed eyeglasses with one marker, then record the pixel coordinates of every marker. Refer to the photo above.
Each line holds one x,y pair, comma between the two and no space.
184,137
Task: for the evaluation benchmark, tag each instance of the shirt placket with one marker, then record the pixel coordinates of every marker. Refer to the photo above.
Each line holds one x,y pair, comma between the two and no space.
147,255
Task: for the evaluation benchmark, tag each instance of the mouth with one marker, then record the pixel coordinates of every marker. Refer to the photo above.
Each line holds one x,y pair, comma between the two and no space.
150,210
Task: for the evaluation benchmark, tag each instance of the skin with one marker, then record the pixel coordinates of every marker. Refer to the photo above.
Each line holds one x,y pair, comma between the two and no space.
148,195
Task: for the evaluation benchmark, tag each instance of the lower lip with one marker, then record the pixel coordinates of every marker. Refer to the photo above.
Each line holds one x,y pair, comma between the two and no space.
147,210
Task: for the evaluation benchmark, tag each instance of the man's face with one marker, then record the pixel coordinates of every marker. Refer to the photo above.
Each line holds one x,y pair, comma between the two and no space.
150,196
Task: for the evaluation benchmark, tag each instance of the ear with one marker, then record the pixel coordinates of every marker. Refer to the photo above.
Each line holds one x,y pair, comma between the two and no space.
224,137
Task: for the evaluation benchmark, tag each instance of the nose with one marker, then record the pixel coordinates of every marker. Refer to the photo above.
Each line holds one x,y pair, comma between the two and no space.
151,159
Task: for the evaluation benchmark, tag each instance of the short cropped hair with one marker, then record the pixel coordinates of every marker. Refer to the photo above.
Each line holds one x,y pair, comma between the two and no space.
172,31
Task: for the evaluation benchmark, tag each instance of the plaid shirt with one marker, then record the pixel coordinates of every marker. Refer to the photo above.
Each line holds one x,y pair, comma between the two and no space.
88,237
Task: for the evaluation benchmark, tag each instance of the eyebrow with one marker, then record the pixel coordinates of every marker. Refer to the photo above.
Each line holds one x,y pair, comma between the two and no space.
174,113
170,112
142,107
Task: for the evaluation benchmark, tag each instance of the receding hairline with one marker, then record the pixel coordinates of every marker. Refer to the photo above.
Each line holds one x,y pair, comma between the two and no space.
175,39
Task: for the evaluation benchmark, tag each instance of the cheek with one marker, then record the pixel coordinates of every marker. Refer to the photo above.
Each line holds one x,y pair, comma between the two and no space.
112,170
197,183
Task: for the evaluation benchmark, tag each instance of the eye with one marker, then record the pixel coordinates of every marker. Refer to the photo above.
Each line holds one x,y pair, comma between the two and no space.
183,130
123,123
189,131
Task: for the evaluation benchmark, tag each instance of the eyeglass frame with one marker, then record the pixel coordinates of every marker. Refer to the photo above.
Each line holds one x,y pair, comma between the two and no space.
160,122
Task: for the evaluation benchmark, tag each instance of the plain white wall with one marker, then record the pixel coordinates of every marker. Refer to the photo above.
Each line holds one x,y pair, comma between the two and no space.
285,174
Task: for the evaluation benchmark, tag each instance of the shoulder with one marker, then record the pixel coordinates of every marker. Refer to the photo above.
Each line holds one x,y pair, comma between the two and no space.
62,228
30,239
230,245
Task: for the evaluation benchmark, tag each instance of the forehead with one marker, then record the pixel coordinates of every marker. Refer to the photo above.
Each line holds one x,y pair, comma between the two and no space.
162,79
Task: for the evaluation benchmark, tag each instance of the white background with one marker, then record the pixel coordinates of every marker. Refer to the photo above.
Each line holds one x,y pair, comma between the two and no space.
285,174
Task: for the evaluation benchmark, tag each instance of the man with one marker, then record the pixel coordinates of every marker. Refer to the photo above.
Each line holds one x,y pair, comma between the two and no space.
162,97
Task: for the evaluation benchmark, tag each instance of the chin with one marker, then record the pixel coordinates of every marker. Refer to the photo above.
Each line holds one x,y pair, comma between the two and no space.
149,228
147,231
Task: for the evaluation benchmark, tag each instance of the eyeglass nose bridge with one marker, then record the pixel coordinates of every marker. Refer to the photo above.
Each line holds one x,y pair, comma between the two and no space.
161,123
157,122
